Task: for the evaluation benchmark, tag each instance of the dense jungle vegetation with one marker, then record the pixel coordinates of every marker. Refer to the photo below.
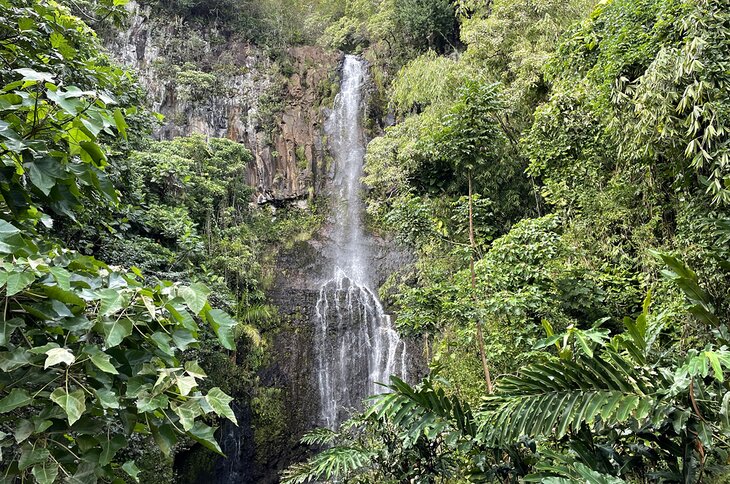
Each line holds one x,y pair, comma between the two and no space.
560,169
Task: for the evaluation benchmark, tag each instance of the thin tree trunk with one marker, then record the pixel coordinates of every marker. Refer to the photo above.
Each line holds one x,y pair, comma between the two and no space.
480,335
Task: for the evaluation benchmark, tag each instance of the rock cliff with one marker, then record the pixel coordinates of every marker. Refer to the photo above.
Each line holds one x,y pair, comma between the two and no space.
204,81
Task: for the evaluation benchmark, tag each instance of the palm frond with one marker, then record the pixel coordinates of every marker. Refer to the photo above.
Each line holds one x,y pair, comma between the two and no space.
422,409
333,463
554,397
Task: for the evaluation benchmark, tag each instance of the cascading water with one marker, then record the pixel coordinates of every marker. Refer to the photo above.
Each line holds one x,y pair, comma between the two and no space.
356,345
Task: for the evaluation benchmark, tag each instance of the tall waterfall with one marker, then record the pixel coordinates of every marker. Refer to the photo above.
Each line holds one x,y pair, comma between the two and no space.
356,344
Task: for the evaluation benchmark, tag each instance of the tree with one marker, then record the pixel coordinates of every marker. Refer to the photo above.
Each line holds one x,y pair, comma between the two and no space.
469,140
90,354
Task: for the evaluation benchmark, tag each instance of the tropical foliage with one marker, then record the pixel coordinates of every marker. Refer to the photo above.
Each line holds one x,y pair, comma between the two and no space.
552,166
92,354
601,182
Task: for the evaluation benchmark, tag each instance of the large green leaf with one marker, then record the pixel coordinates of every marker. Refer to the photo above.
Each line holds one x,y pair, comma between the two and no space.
73,403
112,301
110,447
220,402
107,398
46,472
10,238
62,276
204,435
7,328
56,356
188,412
115,330
17,281
43,173
223,326
85,474
30,456
12,360
100,359
131,469
33,75
17,398
195,296
185,384
165,438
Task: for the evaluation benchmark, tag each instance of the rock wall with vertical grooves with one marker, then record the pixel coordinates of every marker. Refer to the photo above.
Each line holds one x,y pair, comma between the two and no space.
206,82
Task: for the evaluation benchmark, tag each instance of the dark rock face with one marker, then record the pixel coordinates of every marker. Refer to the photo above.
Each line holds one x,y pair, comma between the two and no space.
301,271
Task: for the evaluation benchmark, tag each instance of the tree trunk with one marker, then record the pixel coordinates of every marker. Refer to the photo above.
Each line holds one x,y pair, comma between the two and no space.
480,335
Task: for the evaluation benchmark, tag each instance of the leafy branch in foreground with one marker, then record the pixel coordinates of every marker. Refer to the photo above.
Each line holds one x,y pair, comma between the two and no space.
89,357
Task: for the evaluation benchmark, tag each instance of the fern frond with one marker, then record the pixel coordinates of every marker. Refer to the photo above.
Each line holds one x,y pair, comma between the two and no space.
251,333
333,463
319,436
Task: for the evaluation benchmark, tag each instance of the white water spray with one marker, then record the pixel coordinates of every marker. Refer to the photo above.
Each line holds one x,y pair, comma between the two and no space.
356,345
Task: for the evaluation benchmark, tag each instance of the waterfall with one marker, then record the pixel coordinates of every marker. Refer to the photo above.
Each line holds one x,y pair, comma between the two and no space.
356,346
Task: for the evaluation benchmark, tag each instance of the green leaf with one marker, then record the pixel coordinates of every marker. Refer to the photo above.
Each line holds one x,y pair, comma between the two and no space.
30,456
62,276
183,338
109,448
165,438
7,328
43,173
10,238
149,403
16,398
220,402
107,398
112,300
223,326
17,281
59,355
583,343
204,435
74,403
131,469
115,330
162,341
195,296
94,151
188,412
12,360
101,360
120,122
33,75
66,297
193,369
186,384
85,474
24,430
46,472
